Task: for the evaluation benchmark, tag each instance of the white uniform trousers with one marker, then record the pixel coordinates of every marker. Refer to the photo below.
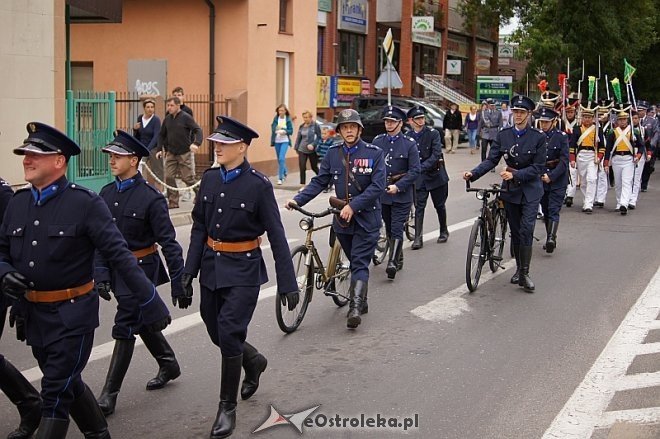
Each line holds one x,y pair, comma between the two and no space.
637,181
602,184
624,168
588,171
572,185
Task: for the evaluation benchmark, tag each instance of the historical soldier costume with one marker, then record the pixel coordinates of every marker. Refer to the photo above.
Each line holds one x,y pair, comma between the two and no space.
489,124
605,127
12,383
639,132
651,138
402,169
585,152
47,245
568,124
523,149
235,206
358,172
433,178
624,150
555,176
140,213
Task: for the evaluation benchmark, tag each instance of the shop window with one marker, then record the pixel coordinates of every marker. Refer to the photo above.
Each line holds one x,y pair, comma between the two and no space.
351,54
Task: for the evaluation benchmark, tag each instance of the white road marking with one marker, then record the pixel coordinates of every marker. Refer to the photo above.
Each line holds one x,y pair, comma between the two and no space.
585,410
182,323
452,304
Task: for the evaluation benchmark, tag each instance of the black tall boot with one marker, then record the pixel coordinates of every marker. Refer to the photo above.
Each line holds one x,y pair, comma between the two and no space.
52,428
516,276
24,396
225,421
358,295
525,258
365,305
546,222
395,254
162,351
551,243
87,415
254,364
121,359
399,262
418,242
444,231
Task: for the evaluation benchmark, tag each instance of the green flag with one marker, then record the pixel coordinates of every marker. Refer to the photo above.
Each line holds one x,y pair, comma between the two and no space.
616,87
628,71
592,86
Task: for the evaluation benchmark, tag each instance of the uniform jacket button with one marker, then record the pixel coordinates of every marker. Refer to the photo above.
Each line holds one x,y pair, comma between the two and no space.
217,226
222,195
31,284
219,210
248,254
36,222
116,204
31,264
34,243
242,204
61,232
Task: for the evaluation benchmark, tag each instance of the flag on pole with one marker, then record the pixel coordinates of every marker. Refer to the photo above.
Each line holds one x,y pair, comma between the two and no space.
388,45
628,71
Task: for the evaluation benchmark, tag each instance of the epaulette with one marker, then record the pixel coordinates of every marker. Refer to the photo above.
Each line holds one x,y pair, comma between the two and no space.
563,133
538,130
379,136
77,187
22,189
260,176
334,145
405,136
370,146
212,169
147,184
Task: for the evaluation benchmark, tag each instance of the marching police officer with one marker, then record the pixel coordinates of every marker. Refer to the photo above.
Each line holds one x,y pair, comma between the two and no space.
47,243
402,168
235,206
357,170
12,383
433,178
140,213
555,176
524,151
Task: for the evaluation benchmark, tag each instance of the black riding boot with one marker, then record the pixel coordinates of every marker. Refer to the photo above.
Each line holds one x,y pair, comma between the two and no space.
399,262
87,415
365,305
52,428
358,293
444,232
225,420
24,396
254,364
121,359
418,242
516,276
546,222
551,243
161,350
525,258
395,254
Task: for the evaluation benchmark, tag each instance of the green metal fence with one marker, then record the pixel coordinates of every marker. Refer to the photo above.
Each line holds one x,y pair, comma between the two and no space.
90,123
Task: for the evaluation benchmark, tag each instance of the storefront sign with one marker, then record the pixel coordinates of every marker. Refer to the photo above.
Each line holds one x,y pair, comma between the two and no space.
349,86
429,38
325,5
322,91
503,61
499,88
482,64
422,24
484,50
344,90
505,51
457,47
454,66
353,16
366,87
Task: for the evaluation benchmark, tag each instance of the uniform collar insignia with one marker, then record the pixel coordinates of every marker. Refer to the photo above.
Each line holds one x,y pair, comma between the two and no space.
42,197
123,186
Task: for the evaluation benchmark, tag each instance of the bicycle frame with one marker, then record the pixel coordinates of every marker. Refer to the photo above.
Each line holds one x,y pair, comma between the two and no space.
326,272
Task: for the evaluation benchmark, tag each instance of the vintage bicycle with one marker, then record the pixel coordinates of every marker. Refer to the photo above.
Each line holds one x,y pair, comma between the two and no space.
488,235
333,277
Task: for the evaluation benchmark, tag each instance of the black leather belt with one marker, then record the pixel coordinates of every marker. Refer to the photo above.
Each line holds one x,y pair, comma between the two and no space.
622,153
586,148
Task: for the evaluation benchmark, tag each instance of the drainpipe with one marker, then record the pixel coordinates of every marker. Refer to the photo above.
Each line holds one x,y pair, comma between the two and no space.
211,68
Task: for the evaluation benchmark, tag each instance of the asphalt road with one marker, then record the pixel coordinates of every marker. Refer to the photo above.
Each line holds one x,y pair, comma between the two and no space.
497,363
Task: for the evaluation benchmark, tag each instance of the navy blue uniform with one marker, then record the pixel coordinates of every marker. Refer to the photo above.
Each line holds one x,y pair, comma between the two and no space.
524,152
235,206
433,178
5,195
141,215
401,157
50,238
358,239
556,166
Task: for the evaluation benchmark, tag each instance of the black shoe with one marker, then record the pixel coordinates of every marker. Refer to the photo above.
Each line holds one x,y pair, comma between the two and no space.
587,210
254,364
525,258
87,415
551,242
121,359
516,276
24,396
52,428
225,420
444,236
631,207
569,201
643,189
418,242
598,204
161,350
395,254
623,210
357,294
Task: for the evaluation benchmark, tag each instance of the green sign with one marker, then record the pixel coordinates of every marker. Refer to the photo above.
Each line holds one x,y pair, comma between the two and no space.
325,5
499,88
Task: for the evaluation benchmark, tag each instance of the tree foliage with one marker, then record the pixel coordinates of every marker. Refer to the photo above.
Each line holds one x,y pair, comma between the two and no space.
550,31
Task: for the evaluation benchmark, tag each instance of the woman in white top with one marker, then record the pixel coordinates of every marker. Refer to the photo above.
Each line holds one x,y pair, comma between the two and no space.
280,138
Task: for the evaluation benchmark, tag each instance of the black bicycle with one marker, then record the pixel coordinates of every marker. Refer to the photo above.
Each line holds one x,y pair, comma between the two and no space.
488,235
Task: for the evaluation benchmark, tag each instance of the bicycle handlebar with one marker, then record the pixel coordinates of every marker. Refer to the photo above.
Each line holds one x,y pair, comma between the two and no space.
326,212
494,188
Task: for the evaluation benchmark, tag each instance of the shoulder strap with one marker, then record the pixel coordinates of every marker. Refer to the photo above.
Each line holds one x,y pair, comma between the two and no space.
349,172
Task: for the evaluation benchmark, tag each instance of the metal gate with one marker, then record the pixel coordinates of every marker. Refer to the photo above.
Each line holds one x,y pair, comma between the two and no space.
90,122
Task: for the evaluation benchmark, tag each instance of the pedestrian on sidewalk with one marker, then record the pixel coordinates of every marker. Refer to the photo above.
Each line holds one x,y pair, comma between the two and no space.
309,134
471,125
489,124
452,125
281,130
146,130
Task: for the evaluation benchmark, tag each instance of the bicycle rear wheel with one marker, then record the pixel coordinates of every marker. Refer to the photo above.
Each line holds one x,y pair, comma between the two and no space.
410,224
498,239
289,320
476,255
342,280
382,246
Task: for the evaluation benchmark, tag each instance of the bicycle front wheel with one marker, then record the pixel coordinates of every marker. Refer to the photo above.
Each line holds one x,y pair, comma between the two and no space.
342,280
382,246
410,225
476,255
498,240
289,320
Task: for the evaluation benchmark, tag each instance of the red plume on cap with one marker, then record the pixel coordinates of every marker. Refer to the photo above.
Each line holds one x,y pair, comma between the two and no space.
561,78
543,85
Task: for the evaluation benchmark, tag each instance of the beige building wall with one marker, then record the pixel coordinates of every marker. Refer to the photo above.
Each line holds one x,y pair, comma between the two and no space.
32,53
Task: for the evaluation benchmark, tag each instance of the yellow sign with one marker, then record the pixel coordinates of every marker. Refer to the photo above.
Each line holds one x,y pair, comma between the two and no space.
349,86
322,92
388,45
